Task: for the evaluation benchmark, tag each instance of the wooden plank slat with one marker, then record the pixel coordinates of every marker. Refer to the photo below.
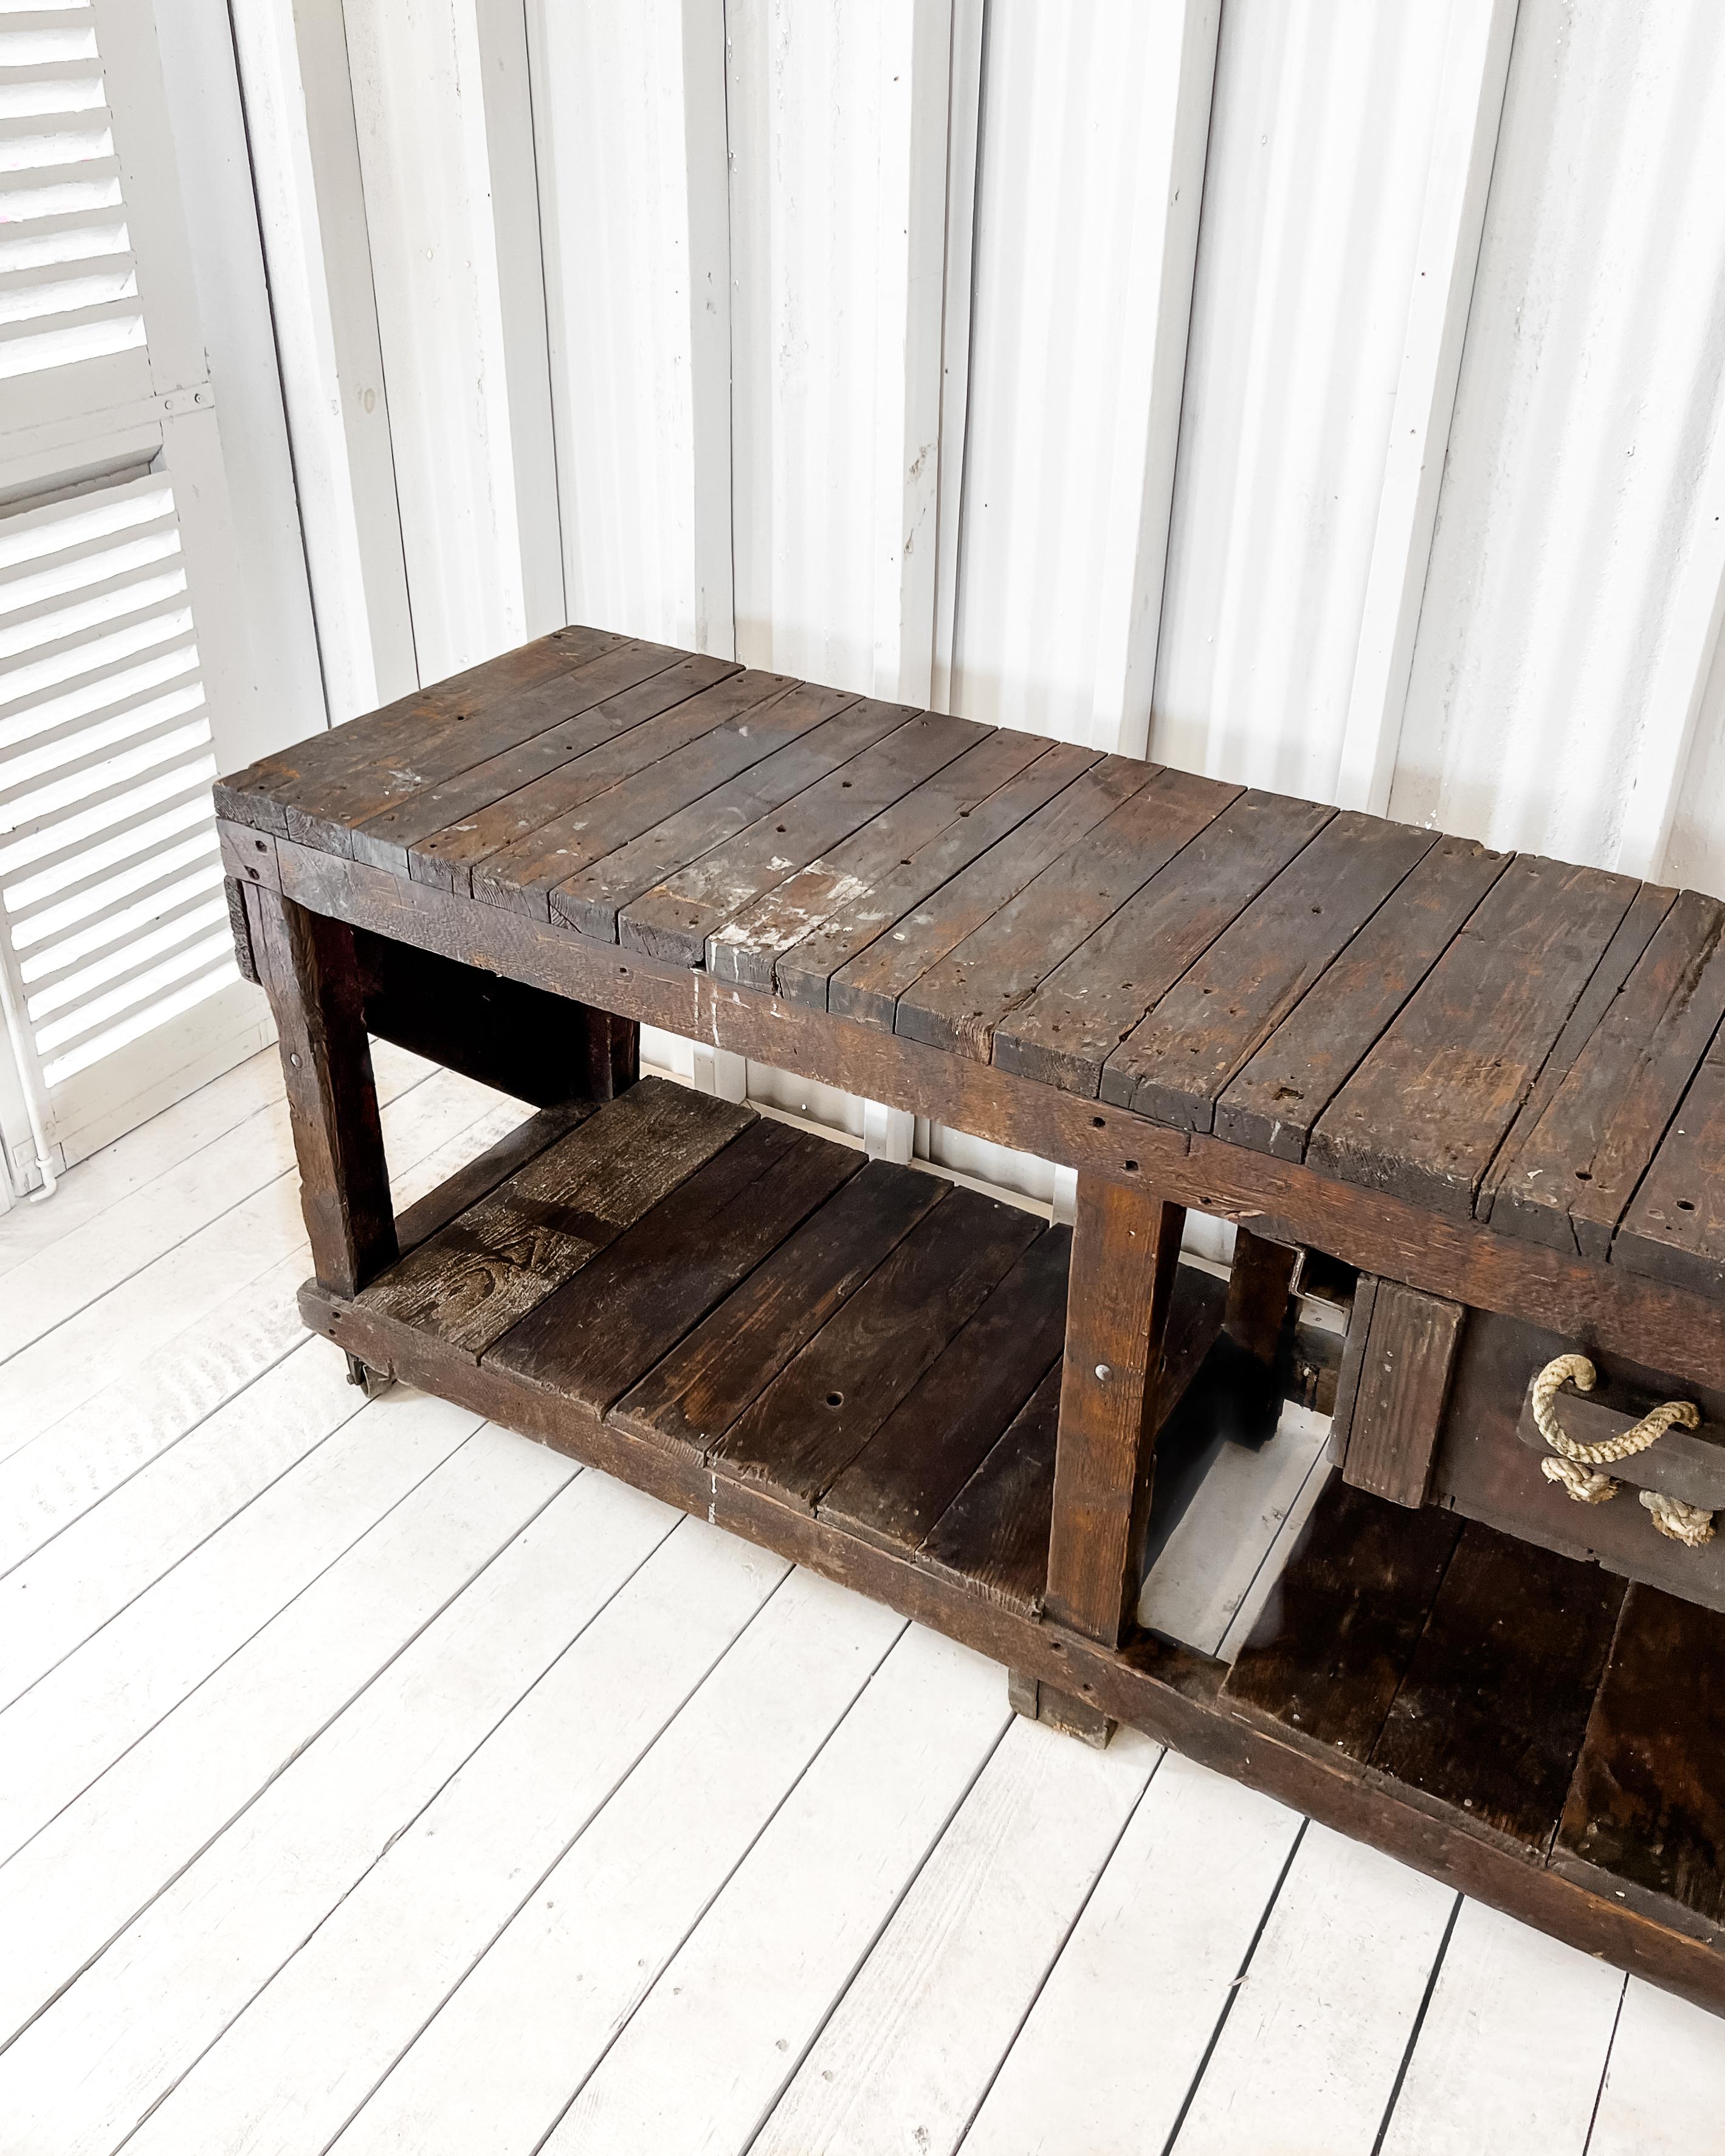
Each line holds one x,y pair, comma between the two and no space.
865,917
477,1178
688,1401
1065,1033
1176,1064
320,790
1287,1084
675,920
437,833
257,795
1647,909
611,867
1402,1387
1330,1652
993,1539
315,993
957,1003
1579,1168
469,1283
805,1428
933,1441
1492,1712
1126,1250
869,862
869,986
591,1339
1674,1228
1644,1818
517,866
1423,1114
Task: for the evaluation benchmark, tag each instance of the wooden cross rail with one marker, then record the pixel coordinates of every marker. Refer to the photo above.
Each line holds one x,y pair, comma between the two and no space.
1494,1084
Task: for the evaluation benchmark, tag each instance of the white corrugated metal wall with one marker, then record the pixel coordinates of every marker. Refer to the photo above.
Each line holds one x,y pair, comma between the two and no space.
1311,392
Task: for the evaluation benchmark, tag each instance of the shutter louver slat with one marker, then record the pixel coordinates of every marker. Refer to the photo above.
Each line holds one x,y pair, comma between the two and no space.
109,883
59,187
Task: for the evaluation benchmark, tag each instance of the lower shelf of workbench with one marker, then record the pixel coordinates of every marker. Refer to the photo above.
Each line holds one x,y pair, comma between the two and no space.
857,1365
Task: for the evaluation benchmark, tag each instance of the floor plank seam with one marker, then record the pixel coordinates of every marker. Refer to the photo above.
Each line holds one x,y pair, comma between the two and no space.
1234,1991
239,1646
284,1176
149,1585
145,1465
861,1961
1418,2023
785,1796
1593,2116
1055,1959
599,1805
299,1752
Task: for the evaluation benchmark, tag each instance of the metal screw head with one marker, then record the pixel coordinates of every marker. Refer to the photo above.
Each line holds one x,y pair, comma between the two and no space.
294,1058
1104,1372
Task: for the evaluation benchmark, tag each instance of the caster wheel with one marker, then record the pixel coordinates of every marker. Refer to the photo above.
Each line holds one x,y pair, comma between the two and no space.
370,1382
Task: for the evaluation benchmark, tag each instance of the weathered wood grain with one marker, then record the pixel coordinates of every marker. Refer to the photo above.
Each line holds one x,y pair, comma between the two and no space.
1178,1061
1580,1166
1335,1641
628,1308
315,993
317,792
959,1002
993,1539
1645,1816
1492,1712
805,1428
1291,1078
1675,1228
469,1283
1064,1034
621,865
868,916
1126,1247
438,833
872,860
631,788
1402,1388
1424,1112
676,920
869,986
919,1459
690,1399
1647,909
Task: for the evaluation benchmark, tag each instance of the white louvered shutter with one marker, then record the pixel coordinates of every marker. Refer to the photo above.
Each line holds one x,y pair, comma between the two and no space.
113,716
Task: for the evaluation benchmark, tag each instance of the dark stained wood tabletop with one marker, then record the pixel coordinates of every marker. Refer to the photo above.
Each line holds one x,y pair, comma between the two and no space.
1500,1038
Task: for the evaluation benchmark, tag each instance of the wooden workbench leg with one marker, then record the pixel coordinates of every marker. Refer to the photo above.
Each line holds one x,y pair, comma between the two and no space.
1257,1288
1126,1244
614,1053
306,964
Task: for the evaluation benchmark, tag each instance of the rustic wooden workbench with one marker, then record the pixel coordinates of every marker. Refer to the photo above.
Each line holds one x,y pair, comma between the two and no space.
1494,1085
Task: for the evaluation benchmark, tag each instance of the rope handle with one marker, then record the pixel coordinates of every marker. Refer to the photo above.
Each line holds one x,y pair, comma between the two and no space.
1690,1524
1581,1373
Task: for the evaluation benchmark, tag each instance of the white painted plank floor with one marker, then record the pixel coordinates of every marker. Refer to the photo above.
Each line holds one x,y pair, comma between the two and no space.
373,1780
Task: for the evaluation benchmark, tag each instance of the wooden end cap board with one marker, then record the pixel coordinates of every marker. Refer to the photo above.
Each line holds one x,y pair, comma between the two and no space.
1396,1373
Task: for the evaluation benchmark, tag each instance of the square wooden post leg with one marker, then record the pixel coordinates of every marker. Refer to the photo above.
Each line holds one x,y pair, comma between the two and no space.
1126,1244
306,964
614,1053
